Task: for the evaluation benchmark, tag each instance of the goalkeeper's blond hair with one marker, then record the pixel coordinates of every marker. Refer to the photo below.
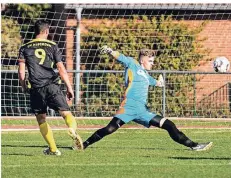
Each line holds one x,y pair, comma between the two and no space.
147,52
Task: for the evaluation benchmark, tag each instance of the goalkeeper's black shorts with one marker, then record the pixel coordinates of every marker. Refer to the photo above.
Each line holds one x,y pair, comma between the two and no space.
48,96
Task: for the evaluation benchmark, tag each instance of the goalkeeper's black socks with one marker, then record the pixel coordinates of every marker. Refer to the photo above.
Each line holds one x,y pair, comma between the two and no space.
177,135
92,139
168,125
113,125
85,144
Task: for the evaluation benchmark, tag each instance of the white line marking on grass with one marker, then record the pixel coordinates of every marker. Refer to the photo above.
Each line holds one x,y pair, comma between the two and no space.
113,164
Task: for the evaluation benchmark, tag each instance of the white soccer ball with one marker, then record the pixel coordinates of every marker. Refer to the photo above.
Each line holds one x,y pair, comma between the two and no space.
221,64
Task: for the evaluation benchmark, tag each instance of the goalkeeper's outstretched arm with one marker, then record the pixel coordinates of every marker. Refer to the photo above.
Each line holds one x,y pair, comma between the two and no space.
117,55
106,50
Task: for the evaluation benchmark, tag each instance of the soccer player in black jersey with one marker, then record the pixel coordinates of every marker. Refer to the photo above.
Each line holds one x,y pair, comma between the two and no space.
41,56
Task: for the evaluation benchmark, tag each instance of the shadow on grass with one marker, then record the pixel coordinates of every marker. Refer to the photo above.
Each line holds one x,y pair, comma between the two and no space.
17,154
91,147
34,146
28,146
124,147
199,158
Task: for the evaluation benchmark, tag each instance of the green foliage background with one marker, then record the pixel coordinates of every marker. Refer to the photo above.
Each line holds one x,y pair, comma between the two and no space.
12,27
10,36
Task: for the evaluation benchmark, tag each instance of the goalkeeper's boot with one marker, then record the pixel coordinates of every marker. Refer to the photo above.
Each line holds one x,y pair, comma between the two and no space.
77,140
47,151
202,146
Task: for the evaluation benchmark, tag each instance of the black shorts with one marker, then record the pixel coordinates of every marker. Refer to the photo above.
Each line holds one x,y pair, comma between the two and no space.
51,96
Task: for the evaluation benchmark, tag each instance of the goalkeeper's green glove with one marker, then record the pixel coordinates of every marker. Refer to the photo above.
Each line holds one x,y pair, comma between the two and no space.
105,50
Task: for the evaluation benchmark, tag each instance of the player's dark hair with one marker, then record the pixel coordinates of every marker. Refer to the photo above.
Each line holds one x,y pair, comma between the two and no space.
147,52
40,26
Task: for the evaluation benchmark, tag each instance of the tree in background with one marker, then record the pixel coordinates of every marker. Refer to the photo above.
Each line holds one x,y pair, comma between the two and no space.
15,28
11,39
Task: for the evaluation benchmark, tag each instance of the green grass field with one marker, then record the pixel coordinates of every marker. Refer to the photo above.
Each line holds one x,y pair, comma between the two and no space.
126,153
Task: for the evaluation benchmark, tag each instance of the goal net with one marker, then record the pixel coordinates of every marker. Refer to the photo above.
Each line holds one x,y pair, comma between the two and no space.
187,38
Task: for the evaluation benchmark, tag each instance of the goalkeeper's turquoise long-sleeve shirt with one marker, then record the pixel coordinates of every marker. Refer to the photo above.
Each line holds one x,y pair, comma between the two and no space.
137,80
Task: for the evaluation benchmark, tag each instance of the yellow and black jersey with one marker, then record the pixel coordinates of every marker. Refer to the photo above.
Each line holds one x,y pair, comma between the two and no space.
40,57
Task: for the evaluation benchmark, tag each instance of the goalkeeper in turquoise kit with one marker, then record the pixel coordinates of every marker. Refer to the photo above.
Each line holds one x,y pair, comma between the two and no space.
133,106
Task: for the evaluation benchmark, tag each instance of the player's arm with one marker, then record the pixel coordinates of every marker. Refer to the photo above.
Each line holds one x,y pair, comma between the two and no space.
64,76
158,83
62,72
107,50
21,74
117,55
22,69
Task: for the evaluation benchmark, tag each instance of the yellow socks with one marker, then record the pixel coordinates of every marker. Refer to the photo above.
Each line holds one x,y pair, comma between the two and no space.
70,121
48,135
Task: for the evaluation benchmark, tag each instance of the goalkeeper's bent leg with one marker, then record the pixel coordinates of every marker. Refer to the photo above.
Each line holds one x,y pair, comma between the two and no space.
113,125
46,132
174,133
